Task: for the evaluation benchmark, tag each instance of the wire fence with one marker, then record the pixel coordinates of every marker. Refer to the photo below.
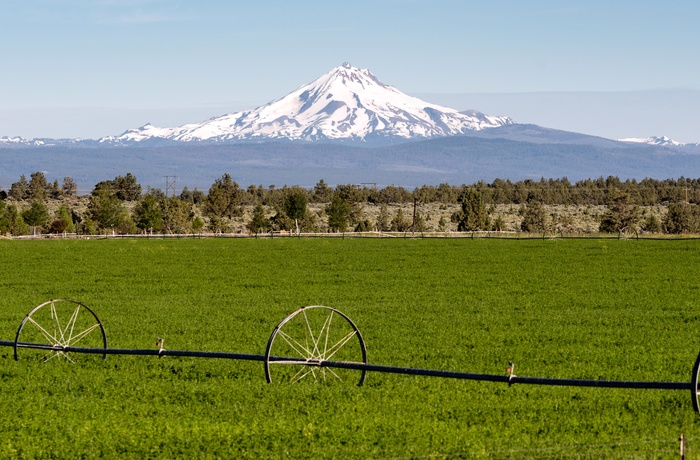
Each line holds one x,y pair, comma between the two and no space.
510,235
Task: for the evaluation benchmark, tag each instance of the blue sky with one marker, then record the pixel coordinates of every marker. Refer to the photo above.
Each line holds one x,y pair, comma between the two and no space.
78,68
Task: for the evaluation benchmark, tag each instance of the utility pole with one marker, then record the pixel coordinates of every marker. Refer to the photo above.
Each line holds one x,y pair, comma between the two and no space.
413,226
170,184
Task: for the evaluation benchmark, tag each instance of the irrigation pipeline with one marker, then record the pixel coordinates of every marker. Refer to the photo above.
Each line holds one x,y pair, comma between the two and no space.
509,379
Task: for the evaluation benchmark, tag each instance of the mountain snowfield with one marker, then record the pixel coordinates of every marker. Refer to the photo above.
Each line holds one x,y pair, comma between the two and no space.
654,140
347,103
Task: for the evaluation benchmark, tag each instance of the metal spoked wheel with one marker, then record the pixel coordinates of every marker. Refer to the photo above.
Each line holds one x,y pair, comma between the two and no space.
306,341
56,324
628,233
694,390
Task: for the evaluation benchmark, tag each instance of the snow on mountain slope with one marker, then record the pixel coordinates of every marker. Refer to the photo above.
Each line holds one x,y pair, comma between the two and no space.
347,103
19,141
654,140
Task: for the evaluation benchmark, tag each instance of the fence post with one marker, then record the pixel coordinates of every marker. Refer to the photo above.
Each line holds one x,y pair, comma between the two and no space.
682,439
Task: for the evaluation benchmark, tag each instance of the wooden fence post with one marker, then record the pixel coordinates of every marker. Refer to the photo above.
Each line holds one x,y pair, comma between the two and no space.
682,439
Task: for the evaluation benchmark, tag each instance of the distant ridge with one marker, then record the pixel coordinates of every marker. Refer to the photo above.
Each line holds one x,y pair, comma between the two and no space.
316,132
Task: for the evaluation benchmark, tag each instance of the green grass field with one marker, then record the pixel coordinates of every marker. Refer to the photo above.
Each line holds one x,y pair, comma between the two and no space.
592,309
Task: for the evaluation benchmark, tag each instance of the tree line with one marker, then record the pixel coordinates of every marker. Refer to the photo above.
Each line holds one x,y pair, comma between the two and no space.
122,206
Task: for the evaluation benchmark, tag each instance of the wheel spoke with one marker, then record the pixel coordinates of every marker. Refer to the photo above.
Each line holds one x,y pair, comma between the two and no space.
310,332
82,335
303,351
50,355
71,323
57,323
327,327
331,371
303,372
52,340
335,348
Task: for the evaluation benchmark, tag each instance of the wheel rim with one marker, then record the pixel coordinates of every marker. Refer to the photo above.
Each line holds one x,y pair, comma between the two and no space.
307,339
629,233
694,394
56,324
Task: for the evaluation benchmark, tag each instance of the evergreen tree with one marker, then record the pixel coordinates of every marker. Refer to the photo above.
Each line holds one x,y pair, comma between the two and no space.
20,190
177,215
473,215
148,214
108,212
195,196
322,193
679,218
383,223
63,221
69,187
338,211
37,215
38,187
224,198
4,220
622,213
197,224
258,222
295,205
16,224
55,190
652,224
420,224
534,217
399,223
126,188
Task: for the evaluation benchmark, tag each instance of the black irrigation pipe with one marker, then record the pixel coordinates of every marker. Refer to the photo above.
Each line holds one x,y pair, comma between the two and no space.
140,352
509,379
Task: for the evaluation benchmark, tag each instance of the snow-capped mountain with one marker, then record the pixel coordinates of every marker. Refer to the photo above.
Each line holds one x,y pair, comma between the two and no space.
347,103
20,141
654,140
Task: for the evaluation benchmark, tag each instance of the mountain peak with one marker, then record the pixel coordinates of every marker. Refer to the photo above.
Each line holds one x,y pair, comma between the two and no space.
347,103
347,74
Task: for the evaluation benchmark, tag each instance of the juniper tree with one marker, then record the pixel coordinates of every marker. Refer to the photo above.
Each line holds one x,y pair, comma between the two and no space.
622,212
38,187
37,215
148,214
534,217
338,211
126,188
108,212
20,190
258,223
473,215
224,199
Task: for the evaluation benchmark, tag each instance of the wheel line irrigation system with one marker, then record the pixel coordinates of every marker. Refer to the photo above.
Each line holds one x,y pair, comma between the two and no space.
314,342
